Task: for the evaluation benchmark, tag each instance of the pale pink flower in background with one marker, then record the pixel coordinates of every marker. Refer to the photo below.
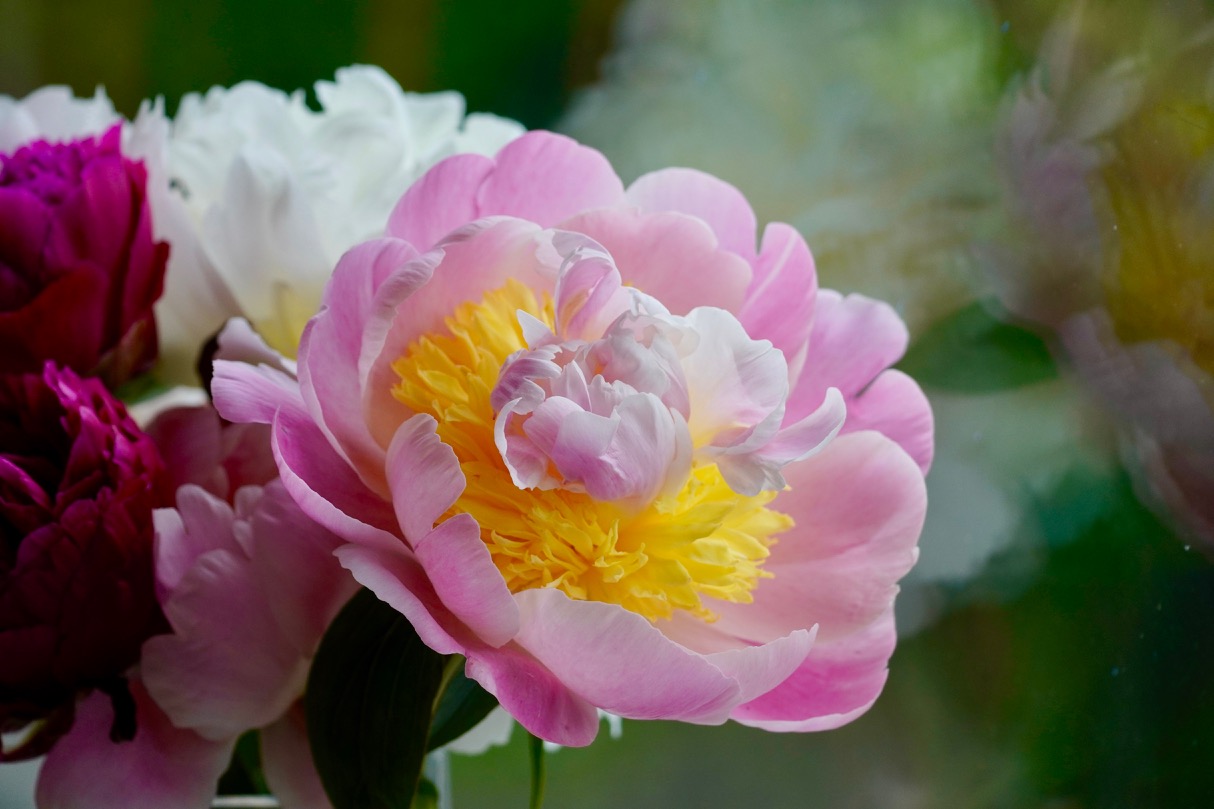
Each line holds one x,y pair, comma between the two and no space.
593,440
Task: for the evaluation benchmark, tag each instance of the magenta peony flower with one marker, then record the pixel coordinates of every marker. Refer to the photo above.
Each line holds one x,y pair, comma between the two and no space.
78,482
594,441
79,270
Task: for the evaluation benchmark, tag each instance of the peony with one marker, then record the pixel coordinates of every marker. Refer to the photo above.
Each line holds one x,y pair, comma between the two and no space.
248,585
593,440
53,114
263,194
79,270
78,482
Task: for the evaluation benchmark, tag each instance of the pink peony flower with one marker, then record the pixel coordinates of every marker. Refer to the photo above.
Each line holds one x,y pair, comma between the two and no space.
593,440
79,269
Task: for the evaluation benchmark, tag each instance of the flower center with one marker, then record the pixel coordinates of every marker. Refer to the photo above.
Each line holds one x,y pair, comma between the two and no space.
706,540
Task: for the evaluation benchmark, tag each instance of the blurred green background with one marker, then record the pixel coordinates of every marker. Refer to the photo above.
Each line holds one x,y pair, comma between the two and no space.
520,60
1068,666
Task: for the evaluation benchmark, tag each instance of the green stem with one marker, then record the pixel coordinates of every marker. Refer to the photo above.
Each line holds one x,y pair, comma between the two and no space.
538,775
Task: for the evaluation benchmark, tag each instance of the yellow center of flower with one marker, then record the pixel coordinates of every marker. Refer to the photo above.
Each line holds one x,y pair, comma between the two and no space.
706,540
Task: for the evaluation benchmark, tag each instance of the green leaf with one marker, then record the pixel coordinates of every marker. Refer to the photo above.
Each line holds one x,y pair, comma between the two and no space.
972,351
369,702
140,389
461,707
244,775
427,795
539,777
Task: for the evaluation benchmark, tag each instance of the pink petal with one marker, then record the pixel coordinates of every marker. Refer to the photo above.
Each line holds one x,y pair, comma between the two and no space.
200,523
545,178
541,177
302,583
323,484
227,667
287,758
473,261
671,256
780,301
253,394
441,201
331,368
534,696
837,683
618,661
396,577
759,669
859,508
426,479
164,766
854,339
895,406
713,200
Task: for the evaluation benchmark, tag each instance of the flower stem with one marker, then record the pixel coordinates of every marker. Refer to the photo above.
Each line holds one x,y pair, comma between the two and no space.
538,775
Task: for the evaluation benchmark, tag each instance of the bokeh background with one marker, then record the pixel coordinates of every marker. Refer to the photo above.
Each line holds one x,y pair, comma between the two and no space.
1030,182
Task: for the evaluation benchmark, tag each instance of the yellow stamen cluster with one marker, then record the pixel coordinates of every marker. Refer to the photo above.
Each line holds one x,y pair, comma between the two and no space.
705,540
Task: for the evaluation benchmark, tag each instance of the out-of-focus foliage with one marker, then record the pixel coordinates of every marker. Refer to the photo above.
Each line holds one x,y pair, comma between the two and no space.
519,59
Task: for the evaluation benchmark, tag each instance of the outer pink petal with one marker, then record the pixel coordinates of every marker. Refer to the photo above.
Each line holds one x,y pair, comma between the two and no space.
227,667
545,178
541,177
534,696
693,192
854,340
618,661
292,560
837,683
671,256
323,484
179,542
859,509
895,406
396,577
426,479
287,758
441,201
252,394
330,369
164,766
780,302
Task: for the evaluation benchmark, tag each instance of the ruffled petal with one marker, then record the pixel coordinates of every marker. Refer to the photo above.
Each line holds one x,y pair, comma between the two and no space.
670,256
713,200
162,766
426,479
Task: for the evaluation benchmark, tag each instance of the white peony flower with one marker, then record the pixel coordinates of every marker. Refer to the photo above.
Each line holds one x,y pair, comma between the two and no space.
52,113
263,194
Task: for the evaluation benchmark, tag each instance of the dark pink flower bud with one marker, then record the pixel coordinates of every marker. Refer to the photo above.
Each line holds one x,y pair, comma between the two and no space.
79,269
78,482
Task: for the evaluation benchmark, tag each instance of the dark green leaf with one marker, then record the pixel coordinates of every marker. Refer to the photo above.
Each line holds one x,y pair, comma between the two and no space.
972,351
370,697
427,795
462,706
539,776
244,776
